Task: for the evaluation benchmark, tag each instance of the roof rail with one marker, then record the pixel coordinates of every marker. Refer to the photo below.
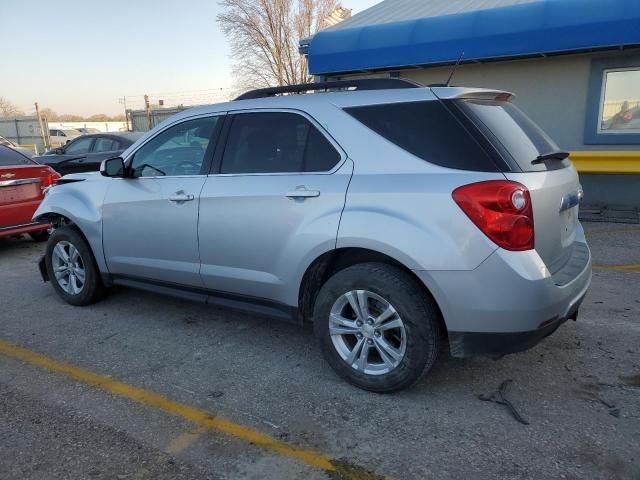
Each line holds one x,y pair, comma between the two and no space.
357,84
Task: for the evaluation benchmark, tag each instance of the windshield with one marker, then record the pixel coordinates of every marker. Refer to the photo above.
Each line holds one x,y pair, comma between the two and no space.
514,133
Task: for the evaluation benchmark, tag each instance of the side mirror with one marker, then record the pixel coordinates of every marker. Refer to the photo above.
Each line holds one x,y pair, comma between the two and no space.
112,167
59,151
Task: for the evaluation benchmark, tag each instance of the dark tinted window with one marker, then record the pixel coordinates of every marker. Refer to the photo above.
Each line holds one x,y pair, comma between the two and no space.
103,144
9,157
427,130
78,147
514,132
276,142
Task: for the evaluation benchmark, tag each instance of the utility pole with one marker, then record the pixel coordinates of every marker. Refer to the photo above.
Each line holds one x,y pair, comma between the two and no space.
147,107
43,134
123,101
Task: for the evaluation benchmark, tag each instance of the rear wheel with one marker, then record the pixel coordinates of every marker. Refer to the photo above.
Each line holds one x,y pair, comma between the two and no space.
377,327
72,268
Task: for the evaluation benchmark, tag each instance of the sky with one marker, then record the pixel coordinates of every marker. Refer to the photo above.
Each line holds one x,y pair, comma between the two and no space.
622,85
81,57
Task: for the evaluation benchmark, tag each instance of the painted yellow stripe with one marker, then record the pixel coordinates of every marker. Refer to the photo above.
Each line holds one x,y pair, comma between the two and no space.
634,267
145,397
607,162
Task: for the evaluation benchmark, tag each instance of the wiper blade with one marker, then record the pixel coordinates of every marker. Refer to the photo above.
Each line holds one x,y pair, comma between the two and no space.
559,155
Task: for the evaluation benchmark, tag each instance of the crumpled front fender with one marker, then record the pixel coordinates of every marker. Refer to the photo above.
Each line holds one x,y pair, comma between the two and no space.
81,203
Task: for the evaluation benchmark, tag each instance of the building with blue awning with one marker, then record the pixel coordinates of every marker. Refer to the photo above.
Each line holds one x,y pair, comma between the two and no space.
574,66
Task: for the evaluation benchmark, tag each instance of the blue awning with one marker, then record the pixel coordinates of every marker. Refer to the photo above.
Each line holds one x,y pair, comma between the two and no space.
537,28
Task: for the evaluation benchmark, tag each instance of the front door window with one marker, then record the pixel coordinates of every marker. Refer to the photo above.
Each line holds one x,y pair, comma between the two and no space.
179,150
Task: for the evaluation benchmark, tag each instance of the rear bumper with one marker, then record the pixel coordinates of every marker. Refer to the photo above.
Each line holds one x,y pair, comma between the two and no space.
24,228
468,344
509,303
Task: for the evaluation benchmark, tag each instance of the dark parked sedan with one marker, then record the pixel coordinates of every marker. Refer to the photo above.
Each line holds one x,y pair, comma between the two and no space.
85,153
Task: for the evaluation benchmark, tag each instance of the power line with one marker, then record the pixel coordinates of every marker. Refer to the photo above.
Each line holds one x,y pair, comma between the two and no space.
182,92
179,98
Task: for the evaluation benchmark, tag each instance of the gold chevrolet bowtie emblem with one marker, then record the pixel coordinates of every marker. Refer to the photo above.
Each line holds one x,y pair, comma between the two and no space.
8,175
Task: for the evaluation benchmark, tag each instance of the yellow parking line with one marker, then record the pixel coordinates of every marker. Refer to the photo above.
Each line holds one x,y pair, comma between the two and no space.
635,267
198,417
595,233
184,440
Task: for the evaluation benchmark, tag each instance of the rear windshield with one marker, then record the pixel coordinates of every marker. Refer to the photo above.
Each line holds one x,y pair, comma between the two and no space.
513,133
427,130
9,158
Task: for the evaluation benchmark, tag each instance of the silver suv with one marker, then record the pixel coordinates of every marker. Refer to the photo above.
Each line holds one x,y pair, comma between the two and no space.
392,216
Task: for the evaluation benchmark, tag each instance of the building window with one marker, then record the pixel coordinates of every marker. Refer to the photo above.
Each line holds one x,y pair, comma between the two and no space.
613,103
620,104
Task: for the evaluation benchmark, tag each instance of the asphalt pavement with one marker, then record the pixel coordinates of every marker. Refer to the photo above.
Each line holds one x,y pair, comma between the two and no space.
141,386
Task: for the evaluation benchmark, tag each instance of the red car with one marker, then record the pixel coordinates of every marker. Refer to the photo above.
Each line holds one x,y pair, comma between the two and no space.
22,185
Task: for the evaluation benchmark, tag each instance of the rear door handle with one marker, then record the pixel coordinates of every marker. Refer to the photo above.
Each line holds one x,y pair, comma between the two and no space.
302,192
181,197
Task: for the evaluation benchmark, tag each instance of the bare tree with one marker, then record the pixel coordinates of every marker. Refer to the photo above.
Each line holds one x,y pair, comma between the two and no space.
49,114
8,109
264,37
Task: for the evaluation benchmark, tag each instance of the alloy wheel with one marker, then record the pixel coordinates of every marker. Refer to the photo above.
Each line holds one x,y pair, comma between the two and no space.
367,332
68,267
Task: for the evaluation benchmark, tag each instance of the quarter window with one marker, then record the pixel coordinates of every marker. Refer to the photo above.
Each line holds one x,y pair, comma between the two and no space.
620,101
276,142
179,150
428,131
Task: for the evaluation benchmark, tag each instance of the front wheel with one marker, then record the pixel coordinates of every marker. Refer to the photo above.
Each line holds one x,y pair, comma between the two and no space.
72,268
377,326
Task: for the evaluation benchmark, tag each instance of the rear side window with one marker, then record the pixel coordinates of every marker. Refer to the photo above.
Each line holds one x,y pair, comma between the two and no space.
428,131
103,144
515,134
9,158
276,142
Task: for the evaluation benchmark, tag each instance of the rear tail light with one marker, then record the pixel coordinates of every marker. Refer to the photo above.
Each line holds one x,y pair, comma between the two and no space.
49,180
501,209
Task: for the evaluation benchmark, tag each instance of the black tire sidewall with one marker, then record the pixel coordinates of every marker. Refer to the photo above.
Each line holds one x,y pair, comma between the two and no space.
414,306
92,289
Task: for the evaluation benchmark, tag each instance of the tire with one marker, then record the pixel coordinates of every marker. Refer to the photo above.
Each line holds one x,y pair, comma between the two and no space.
76,293
40,236
377,283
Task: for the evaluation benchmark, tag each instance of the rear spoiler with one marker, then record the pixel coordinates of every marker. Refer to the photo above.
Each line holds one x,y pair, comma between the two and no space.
450,93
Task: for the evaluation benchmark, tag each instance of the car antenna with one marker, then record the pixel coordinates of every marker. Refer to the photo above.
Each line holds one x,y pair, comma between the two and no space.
454,69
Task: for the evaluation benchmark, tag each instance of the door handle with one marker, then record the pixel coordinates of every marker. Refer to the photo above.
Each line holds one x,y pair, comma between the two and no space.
181,197
302,192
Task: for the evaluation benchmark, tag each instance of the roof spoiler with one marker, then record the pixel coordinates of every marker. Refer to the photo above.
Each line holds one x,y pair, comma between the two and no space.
451,93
